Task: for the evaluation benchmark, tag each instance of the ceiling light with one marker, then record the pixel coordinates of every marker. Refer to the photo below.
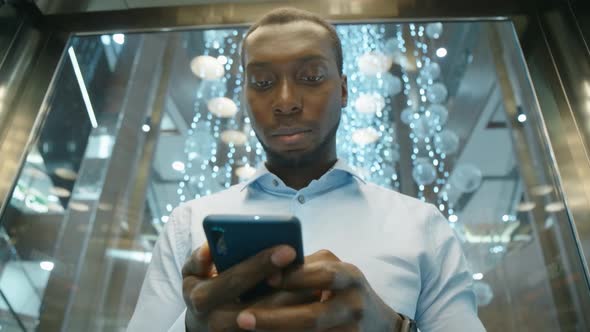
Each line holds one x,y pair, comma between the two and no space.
80,207
374,63
207,67
105,39
82,86
60,192
525,206
453,218
178,166
164,219
119,38
441,52
521,118
369,103
365,136
222,107
477,276
55,207
66,173
541,190
34,158
146,128
105,206
554,207
234,137
222,59
46,265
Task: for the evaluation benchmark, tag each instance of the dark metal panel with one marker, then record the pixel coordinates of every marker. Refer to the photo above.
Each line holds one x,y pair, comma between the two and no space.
215,13
26,76
559,61
9,25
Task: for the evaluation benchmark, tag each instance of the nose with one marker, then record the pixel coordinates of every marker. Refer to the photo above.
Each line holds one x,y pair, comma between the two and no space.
287,100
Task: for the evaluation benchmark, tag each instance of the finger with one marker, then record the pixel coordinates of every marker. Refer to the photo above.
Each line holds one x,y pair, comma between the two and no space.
344,308
224,318
230,284
322,255
199,263
344,328
321,275
319,256
284,298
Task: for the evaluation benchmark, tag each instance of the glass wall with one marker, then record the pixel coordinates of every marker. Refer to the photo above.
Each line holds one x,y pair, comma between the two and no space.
141,122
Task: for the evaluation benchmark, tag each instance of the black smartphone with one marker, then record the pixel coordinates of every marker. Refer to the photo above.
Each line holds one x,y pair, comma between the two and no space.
234,238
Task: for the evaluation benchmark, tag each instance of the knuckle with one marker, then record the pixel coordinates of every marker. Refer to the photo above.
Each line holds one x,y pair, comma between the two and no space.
215,324
327,254
233,282
199,298
354,271
310,318
357,307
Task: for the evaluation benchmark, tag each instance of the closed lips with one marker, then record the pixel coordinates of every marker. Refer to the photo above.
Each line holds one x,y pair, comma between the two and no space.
289,131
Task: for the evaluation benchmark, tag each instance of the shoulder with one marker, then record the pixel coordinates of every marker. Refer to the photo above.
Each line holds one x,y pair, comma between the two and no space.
186,219
221,200
397,202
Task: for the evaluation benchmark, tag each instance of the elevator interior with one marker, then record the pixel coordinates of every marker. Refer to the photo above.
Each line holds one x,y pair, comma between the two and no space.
111,114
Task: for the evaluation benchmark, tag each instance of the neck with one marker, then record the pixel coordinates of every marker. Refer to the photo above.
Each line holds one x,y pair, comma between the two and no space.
299,173
299,177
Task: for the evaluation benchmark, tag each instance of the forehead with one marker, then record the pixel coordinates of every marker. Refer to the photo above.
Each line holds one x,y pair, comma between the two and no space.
287,42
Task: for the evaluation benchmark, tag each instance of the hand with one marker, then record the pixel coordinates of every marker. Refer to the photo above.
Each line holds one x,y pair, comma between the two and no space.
348,301
211,299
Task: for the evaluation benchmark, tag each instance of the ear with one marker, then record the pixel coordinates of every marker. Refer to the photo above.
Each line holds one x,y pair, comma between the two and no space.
344,84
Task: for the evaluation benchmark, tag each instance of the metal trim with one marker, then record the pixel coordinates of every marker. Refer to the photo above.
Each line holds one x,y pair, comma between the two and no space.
224,14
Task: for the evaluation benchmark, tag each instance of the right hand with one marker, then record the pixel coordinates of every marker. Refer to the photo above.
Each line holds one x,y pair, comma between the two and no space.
212,299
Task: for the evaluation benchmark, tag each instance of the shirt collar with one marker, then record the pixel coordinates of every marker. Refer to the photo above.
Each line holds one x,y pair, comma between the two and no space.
340,165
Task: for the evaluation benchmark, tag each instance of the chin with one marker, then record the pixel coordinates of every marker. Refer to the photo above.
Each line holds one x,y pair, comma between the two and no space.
293,158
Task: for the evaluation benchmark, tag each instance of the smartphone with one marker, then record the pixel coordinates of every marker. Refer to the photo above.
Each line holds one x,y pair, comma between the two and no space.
234,238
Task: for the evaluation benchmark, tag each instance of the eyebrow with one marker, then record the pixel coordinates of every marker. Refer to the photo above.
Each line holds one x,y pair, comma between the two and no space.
307,58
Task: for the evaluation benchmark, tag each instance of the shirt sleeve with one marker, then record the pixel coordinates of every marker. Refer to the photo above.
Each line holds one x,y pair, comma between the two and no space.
160,306
446,302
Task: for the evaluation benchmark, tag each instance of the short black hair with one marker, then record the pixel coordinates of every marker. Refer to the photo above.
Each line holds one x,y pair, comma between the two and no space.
289,15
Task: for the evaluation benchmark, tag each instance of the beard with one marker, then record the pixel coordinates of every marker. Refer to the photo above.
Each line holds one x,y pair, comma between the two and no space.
306,159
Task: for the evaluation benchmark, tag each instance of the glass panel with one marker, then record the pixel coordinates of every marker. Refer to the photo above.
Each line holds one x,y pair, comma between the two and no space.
429,115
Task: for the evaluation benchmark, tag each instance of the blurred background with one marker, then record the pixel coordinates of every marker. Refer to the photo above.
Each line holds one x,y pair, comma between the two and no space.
115,121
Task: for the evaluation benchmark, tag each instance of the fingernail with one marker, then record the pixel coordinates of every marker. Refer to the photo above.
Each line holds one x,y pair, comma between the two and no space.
275,279
283,256
246,321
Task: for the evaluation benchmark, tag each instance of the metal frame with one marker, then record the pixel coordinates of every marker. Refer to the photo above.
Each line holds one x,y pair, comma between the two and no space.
46,38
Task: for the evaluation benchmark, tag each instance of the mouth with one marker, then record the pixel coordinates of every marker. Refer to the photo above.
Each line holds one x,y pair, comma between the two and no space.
290,135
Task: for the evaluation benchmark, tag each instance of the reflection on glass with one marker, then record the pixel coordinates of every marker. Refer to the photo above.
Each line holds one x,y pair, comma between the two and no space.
425,117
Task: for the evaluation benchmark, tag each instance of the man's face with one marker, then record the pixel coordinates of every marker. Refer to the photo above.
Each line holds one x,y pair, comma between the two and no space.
293,90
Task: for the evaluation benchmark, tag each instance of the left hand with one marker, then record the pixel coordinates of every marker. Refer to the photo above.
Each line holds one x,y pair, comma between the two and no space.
348,302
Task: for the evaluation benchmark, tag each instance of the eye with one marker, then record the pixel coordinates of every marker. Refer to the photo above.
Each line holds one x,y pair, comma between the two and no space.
313,78
263,84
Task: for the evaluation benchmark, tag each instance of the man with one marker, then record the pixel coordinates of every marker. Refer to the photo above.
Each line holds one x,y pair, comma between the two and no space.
377,259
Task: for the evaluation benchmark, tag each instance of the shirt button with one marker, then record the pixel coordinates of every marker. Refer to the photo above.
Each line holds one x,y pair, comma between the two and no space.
275,183
301,199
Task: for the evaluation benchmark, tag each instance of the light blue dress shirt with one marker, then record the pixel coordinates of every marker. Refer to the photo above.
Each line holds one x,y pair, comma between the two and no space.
404,247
